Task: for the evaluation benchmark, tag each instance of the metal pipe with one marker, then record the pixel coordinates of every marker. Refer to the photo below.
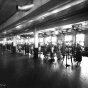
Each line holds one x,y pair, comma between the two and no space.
25,4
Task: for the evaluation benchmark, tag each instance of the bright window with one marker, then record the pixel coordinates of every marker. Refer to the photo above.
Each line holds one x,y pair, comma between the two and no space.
40,39
47,39
80,39
68,38
54,39
32,40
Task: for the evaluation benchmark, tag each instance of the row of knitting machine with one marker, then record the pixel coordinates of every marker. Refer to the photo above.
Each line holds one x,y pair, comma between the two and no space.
55,44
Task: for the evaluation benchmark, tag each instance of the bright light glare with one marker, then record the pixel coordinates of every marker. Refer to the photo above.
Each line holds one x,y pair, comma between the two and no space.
80,39
49,29
68,38
9,41
26,40
22,40
43,16
18,36
19,26
60,9
56,32
54,39
66,26
31,40
4,39
47,39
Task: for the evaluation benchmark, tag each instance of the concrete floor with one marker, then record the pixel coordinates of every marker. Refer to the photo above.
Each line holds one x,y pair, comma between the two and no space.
17,71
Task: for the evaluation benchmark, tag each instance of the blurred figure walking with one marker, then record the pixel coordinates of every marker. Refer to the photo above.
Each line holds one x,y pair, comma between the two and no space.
78,54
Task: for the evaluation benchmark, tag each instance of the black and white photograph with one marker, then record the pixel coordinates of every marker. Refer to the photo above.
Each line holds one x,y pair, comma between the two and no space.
43,43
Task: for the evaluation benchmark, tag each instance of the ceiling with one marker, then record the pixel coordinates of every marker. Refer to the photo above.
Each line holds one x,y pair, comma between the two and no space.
9,7
37,12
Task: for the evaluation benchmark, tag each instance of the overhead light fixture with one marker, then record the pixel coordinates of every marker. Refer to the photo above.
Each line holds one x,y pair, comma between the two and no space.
19,26
26,7
28,33
66,26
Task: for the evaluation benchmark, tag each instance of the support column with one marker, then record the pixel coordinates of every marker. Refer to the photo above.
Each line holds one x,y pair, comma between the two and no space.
44,40
74,38
4,42
35,44
14,44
